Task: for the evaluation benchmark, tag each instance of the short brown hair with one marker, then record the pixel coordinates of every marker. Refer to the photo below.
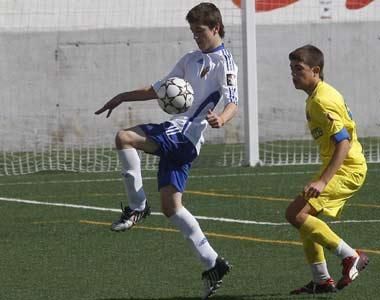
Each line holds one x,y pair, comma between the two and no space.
206,14
310,55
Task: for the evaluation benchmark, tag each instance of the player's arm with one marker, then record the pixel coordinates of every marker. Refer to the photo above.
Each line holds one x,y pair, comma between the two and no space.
218,121
143,94
229,90
340,153
329,115
315,188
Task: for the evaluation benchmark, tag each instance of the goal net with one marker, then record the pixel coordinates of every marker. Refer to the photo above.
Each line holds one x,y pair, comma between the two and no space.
346,31
61,60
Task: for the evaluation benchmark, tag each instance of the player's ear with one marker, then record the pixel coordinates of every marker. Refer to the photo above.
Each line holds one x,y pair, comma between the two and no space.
316,70
216,29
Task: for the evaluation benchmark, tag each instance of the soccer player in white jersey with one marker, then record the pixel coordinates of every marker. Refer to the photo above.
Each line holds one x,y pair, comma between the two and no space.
212,73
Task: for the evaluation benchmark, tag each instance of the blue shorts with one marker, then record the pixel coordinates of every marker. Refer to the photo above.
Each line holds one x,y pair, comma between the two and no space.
176,154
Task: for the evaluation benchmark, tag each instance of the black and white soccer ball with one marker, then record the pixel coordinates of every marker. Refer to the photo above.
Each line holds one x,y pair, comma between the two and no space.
175,95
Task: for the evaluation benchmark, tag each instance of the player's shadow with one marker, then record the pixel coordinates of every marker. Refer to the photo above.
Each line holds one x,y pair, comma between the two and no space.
241,297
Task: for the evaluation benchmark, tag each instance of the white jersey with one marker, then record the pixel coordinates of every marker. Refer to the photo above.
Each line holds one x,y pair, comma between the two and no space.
213,76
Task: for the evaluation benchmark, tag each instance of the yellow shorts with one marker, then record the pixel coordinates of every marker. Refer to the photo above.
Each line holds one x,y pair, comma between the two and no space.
341,187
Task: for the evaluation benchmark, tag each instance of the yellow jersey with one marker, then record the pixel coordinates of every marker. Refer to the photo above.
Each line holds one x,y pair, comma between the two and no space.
329,119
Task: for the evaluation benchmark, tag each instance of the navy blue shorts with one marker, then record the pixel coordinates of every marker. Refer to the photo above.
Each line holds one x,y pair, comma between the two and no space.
176,154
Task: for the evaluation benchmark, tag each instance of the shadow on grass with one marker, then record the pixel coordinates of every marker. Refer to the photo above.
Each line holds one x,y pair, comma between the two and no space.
242,297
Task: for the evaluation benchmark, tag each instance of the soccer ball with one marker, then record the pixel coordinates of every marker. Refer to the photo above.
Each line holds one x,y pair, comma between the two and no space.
175,96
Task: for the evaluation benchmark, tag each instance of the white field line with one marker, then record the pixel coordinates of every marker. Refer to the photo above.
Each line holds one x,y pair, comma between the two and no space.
226,220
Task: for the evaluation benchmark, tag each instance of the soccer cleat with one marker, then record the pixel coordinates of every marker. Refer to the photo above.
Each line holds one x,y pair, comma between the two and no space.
212,279
130,218
328,286
351,267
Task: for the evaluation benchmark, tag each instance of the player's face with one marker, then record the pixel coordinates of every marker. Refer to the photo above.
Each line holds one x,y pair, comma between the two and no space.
206,38
304,77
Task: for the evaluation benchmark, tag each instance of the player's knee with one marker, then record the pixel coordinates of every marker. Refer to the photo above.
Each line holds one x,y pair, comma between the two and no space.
295,218
123,139
291,215
169,208
168,211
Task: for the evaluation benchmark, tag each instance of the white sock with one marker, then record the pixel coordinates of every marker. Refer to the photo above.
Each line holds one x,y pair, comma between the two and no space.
320,272
191,230
343,250
131,171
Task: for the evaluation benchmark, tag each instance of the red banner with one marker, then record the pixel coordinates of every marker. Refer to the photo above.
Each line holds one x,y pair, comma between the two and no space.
268,5
357,4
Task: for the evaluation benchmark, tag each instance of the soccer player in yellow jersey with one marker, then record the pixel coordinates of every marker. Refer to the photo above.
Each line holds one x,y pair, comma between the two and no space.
342,173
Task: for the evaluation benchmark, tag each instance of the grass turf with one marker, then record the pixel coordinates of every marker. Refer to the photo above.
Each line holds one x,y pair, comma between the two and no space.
67,253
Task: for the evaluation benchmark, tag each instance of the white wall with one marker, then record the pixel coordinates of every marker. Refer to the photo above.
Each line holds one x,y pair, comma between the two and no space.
51,82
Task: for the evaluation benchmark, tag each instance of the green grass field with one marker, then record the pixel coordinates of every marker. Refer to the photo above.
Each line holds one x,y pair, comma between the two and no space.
64,252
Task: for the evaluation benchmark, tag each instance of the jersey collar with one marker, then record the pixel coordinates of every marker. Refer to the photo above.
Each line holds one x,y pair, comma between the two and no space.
220,47
316,88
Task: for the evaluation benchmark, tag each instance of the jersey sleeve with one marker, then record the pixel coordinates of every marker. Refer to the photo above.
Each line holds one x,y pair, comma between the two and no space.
228,81
329,117
177,71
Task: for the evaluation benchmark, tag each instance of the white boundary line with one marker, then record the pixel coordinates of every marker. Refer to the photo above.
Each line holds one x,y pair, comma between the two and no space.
226,220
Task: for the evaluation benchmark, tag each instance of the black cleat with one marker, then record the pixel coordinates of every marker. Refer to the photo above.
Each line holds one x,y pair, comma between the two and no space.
212,278
130,218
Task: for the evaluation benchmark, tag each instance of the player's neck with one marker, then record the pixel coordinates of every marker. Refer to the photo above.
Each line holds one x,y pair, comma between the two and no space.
214,47
310,90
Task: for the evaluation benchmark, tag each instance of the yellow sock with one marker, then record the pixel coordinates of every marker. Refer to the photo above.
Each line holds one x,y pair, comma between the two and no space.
319,232
313,251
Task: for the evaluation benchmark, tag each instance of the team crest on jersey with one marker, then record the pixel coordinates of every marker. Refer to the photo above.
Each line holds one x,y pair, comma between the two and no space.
231,79
205,70
316,132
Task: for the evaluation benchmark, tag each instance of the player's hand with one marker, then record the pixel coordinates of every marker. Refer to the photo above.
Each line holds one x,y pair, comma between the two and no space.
214,120
314,189
110,105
